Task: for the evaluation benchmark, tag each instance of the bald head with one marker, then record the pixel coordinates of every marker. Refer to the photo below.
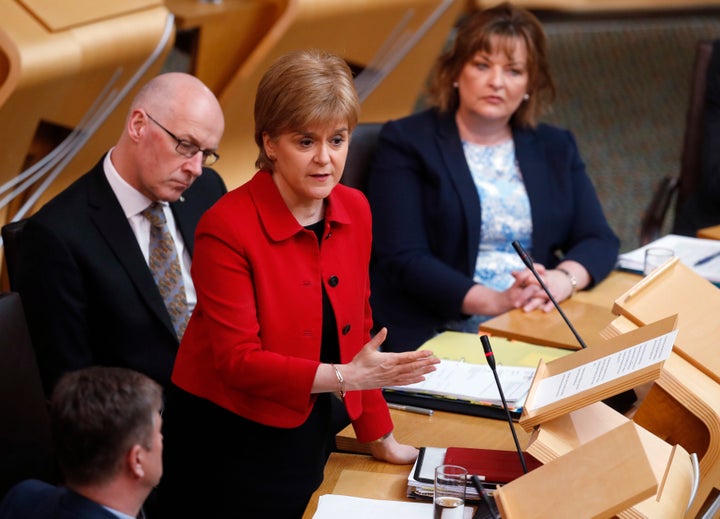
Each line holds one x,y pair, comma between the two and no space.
171,109
175,93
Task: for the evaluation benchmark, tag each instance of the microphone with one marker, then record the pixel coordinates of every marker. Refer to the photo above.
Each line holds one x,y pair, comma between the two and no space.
525,257
491,511
491,362
621,402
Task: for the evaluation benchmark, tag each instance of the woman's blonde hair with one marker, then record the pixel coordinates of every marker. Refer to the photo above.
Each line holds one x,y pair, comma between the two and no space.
300,89
476,34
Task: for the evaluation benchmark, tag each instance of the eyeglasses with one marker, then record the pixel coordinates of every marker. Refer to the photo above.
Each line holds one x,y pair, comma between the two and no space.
187,148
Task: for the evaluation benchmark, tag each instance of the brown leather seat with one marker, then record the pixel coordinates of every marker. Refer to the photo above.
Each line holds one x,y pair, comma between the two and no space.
25,438
679,189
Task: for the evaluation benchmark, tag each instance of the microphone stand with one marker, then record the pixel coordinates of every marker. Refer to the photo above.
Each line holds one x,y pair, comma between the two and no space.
491,362
620,402
525,257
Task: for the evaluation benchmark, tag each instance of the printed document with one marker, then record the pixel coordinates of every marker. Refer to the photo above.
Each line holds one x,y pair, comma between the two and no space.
600,371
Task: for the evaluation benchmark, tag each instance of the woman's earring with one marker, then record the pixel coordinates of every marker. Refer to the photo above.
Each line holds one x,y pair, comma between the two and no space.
526,97
455,84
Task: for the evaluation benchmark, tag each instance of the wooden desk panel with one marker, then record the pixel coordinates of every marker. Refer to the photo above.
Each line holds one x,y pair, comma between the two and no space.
606,5
441,430
589,312
711,233
357,474
361,476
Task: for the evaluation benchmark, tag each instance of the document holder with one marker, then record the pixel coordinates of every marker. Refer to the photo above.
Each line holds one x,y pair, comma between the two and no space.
676,289
683,405
671,464
599,479
540,408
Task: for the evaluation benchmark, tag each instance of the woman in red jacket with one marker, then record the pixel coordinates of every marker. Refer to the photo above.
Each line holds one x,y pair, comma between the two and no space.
280,337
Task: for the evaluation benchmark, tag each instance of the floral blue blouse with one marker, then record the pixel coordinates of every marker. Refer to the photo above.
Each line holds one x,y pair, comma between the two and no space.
505,212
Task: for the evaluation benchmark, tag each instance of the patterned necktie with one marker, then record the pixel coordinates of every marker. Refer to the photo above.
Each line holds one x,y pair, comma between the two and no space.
165,267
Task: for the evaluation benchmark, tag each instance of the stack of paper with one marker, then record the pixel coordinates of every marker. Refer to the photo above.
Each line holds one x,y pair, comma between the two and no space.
331,506
493,467
701,255
422,475
475,383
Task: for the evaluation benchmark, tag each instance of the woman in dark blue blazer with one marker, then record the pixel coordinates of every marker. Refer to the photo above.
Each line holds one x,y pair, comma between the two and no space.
453,186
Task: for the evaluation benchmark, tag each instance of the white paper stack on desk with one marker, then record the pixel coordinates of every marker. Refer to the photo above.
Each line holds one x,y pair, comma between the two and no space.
701,255
475,383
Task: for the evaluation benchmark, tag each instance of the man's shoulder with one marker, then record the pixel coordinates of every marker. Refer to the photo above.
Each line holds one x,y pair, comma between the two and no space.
31,498
68,203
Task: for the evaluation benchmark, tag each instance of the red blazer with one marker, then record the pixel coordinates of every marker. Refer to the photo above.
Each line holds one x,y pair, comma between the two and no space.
253,343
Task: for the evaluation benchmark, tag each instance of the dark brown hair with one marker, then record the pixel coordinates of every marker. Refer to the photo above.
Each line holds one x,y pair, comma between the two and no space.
97,415
475,34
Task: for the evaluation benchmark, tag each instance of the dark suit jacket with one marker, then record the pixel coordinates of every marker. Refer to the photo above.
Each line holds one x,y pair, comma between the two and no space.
702,209
33,499
88,293
427,216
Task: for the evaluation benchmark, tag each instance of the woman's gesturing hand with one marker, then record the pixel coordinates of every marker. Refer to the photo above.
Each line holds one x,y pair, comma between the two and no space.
371,368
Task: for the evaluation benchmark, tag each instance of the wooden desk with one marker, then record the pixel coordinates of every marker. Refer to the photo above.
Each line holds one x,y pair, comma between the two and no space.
589,311
607,5
711,233
441,430
360,475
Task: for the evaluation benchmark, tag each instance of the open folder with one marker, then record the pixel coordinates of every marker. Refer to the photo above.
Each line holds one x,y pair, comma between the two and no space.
464,382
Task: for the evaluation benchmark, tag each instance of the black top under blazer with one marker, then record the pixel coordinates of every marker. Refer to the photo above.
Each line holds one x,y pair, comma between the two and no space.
427,215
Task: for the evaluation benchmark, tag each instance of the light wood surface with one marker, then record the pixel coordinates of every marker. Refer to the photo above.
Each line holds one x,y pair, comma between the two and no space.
583,6
711,233
670,463
357,474
683,406
589,311
605,476
56,58
441,430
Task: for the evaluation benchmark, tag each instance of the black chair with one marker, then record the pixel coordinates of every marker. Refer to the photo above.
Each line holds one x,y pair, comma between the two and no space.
362,147
680,188
11,235
25,439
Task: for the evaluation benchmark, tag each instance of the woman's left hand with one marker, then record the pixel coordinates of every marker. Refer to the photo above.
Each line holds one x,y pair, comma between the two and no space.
558,283
393,452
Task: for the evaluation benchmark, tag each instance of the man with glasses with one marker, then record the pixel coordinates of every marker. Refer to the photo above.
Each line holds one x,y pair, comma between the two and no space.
105,265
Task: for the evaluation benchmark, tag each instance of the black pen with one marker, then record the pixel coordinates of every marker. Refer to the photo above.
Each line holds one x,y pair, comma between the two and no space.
706,259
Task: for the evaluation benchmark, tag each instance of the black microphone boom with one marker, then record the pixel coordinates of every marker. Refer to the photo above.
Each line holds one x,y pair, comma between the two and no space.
491,362
621,402
529,264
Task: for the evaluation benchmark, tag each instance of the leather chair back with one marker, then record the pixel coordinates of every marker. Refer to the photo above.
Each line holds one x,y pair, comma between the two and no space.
25,438
11,235
678,189
362,147
690,165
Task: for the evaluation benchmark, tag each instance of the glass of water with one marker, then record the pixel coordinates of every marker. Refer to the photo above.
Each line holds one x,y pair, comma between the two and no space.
449,497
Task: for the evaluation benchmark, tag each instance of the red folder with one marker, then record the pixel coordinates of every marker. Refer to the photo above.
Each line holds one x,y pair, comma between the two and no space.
495,466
